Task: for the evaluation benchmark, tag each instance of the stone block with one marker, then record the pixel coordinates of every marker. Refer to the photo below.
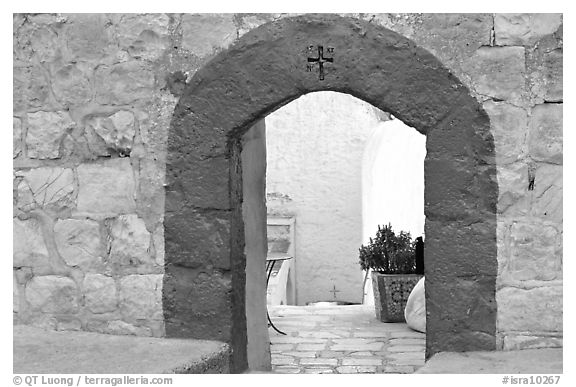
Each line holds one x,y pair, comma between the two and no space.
106,188
28,244
534,252
514,29
356,370
117,131
283,360
158,241
117,327
451,37
53,294
498,72
15,295
195,239
248,22
130,241
199,296
88,36
545,69
43,321
30,88
203,34
71,85
16,136
319,370
547,196
514,342
42,41
363,362
141,297
509,128
513,194
124,83
545,133
79,243
144,36
286,369
204,183
150,193
46,130
68,324
530,310
100,293
318,361
46,186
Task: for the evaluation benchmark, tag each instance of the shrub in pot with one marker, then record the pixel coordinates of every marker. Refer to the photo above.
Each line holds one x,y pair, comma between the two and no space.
392,259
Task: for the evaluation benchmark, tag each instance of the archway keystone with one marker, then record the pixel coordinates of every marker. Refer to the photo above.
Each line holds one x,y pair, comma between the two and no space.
204,282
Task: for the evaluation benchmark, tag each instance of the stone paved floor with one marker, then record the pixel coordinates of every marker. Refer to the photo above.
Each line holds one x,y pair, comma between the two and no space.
342,339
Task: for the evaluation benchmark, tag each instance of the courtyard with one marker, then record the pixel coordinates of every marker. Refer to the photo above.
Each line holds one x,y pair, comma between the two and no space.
343,339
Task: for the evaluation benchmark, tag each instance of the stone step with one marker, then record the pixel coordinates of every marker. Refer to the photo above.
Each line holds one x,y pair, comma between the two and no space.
38,351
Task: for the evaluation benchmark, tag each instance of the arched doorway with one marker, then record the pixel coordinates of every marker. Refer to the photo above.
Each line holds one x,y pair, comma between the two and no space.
205,278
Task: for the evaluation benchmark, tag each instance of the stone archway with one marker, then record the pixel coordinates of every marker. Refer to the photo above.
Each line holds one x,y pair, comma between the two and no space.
204,282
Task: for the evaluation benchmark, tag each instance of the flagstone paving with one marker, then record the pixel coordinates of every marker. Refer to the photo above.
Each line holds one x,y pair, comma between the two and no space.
342,340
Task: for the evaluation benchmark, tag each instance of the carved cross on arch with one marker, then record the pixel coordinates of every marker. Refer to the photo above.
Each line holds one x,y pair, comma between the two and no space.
320,60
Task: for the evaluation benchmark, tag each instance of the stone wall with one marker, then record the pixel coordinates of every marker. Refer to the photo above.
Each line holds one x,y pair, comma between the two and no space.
93,99
314,154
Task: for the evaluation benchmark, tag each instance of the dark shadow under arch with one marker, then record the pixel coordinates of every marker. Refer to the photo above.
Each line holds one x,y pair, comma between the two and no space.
204,282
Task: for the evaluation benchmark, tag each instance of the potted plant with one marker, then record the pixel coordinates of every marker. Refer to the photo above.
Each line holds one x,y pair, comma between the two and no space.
392,259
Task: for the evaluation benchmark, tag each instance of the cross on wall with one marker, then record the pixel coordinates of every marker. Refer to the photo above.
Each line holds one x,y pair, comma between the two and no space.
334,291
320,60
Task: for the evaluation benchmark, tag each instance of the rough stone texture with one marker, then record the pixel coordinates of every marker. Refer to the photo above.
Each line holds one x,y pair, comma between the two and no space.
130,244
79,243
510,127
38,351
15,296
498,72
124,83
530,310
543,361
514,197
88,36
547,194
31,90
72,85
53,294
535,253
545,133
443,35
117,130
545,68
42,187
519,341
141,297
17,136
45,133
217,31
68,324
123,328
106,188
144,36
100,293
517,29
28,244
210,244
